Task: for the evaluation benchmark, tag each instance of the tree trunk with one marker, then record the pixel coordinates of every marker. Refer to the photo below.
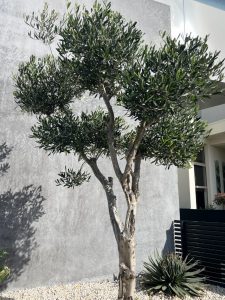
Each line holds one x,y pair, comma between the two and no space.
126,247
124,234
127,266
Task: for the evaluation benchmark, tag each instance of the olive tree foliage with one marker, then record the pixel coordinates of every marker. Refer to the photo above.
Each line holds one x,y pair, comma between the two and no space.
100,54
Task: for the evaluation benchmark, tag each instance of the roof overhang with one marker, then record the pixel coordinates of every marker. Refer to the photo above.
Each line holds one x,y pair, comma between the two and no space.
217,134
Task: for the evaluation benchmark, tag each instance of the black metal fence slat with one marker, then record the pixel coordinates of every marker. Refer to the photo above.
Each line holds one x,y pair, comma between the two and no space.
214,276
202,215
200,243
205,231
213,269
204,240
215,282
206,234
207,261
205,249
214,272
209,227
211,264
204,223
202,254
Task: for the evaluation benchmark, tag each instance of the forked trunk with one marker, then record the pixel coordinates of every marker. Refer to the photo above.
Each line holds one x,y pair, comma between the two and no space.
127,266
129,180
125,238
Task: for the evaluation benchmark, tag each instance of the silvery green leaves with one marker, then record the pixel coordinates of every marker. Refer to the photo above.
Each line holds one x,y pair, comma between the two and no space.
175,139
43,85
180,73
100,53
71,178
84,134
43,26
97,45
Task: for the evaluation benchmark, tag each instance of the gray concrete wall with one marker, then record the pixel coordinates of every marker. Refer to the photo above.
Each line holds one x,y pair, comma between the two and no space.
56,234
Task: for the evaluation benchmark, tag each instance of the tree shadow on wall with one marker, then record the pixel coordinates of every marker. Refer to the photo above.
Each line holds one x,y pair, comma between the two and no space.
18,212
4,154
169,243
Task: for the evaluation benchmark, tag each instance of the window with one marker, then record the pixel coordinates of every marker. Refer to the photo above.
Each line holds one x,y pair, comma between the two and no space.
200,181
217,172
223,173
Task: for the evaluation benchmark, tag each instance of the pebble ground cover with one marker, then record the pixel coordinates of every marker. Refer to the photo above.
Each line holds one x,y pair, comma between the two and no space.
101,290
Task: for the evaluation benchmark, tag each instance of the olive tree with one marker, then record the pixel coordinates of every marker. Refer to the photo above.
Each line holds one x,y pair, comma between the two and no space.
102,55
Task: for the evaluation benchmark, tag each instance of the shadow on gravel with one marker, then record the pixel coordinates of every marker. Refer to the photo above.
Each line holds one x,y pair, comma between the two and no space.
217,290
18,213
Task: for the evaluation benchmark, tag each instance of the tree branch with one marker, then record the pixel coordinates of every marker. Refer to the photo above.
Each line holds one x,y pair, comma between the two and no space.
133,150
111,140
111,198
136,174
129,227
118,226
92,162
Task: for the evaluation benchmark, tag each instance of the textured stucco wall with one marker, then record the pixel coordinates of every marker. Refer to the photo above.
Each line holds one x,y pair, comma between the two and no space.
57,234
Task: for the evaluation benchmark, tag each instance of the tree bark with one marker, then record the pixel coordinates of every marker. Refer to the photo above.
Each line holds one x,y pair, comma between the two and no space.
127,267
129,180
124,233
125,238
126,248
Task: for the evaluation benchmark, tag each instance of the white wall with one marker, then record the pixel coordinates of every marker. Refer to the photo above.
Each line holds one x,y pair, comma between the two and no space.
186,188
206,17
177,16
199,17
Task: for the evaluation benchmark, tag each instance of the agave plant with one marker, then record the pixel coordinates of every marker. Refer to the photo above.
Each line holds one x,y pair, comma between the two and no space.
172,276
4,270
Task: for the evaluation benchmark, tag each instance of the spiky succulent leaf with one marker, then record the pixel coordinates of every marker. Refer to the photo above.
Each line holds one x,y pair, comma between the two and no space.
4,270
172,276
4,273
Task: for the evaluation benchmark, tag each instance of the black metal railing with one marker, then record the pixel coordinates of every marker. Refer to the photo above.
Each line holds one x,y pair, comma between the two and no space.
203,240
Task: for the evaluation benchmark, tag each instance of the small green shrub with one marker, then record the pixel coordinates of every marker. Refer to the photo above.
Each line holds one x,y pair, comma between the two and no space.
172,276
219,199
4,270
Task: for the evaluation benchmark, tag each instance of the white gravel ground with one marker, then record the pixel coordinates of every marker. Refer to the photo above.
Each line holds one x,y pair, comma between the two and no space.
104,290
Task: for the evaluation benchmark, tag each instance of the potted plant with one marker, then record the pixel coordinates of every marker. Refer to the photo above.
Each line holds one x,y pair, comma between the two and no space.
220,199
